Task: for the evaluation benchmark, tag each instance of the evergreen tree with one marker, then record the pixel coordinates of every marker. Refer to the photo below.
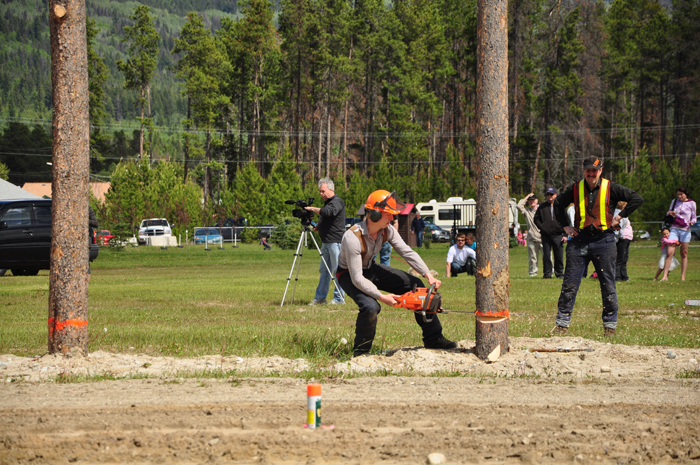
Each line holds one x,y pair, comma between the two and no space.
143,44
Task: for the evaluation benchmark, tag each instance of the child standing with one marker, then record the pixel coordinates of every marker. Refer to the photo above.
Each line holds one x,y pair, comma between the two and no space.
665,241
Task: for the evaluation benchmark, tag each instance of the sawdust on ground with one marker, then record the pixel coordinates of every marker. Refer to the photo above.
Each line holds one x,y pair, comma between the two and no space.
609,403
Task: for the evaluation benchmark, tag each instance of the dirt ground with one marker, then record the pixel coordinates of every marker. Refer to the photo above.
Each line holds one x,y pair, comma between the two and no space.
613,404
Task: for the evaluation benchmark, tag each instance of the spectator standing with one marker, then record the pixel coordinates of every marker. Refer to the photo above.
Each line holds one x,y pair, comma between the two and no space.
331,227
593,239
461,258
417,228
363,279
624,236
528,207
551,234
684,212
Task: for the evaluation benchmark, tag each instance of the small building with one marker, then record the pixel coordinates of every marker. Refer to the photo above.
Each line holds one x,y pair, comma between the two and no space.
43,189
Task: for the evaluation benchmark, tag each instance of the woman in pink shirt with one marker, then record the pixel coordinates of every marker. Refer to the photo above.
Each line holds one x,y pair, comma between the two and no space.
683,210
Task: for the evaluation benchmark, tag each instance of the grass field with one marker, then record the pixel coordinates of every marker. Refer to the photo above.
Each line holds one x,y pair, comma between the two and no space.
189,302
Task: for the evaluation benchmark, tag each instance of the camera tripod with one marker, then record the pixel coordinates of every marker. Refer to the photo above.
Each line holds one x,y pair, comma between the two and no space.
299,252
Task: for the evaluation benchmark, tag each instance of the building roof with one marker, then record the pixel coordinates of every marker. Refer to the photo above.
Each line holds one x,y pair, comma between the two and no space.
41,189
9,191
407,209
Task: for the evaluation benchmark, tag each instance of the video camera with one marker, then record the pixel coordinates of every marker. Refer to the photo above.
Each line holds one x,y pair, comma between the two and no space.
301,213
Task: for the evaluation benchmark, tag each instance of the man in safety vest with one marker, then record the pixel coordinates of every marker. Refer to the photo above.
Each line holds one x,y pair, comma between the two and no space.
362,278
593,239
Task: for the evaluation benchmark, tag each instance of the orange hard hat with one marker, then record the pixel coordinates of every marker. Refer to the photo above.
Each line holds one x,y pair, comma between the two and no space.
384,201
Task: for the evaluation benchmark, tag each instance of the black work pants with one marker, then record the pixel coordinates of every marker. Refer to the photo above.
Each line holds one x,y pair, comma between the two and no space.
389,280
580,251
552,245
623,251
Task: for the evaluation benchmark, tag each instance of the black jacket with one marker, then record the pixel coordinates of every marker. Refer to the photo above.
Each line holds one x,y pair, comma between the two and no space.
546,222
617,193
331,226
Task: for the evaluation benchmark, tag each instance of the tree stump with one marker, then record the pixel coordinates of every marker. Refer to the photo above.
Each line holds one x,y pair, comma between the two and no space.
491,332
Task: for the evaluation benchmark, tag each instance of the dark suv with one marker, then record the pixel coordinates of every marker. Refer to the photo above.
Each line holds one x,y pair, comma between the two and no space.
25,236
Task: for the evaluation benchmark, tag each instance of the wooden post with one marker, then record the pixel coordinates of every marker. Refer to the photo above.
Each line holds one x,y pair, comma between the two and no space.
68,281
492,279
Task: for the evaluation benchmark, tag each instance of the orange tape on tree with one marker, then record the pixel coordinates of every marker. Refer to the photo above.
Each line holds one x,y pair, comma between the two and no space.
501,314
55,325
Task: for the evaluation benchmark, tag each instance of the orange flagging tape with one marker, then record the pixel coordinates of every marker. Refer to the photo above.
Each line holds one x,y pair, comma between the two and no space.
61,325
501,314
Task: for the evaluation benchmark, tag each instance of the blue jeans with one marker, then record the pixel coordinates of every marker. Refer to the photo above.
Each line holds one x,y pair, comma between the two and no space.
602,251
330,253
385,254
469,267
419,238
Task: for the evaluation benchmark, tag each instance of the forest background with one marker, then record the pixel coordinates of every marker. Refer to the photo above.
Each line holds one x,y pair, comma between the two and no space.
248,104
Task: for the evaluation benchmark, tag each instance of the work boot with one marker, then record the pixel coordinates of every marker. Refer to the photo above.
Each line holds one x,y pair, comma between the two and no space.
560,331
441,343
317,302
609,332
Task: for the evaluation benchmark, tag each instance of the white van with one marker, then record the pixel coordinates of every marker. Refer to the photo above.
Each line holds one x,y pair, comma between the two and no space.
460,213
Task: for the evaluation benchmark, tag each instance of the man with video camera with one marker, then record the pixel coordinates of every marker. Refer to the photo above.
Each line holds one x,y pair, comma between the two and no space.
362,278
331,227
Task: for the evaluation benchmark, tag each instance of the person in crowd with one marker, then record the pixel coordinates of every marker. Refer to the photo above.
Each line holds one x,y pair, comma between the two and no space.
551,234
417,228
93,225
521,238
331,227
683,210
263,240
665,242
528,207
363,279
593,240
471,241
623,236
461,258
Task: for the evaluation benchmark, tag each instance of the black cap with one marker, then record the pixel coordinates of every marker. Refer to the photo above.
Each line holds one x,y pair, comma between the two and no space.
532,197
593,163
551,190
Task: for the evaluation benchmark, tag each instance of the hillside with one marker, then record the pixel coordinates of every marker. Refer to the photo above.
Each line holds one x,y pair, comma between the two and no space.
25,61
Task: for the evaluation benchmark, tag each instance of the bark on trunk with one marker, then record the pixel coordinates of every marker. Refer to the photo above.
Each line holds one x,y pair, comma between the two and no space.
492,278
68,280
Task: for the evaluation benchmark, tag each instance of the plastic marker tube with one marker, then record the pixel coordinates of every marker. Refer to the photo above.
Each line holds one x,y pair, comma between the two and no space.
313,406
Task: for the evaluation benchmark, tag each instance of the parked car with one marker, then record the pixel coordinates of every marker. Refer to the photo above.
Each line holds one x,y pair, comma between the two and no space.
641,235
695,232
25,236
439,234
209,235
153,227
103,237
350,222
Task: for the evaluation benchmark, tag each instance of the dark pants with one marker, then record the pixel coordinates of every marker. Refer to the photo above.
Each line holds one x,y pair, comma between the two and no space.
390,280
623,253
581,250
419,238
552,245
469,268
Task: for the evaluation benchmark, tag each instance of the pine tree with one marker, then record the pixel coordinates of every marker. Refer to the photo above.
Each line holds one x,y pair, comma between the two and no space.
143,45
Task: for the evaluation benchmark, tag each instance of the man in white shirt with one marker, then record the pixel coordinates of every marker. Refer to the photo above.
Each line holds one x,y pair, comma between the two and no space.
460,258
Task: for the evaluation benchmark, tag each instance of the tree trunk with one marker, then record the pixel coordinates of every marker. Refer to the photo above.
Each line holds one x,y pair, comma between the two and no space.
187,140
141,132
68,279
492,278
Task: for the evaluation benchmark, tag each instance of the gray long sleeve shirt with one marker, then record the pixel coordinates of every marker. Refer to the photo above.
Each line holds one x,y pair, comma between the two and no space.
533,232
352,260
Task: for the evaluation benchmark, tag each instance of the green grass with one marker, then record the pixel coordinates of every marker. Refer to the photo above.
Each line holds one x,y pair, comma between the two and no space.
190,302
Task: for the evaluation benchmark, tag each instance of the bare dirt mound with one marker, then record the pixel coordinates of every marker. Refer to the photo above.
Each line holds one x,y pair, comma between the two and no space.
615,404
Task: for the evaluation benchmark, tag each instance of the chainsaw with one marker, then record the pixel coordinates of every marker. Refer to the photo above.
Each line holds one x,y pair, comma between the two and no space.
424,301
